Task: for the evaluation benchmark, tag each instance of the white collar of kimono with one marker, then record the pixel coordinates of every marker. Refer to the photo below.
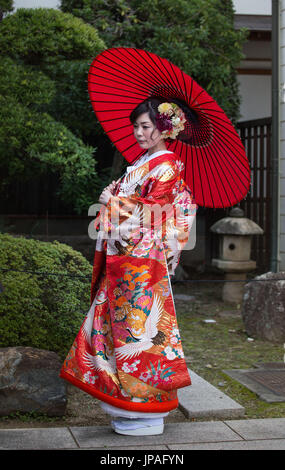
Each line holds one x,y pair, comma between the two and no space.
146,158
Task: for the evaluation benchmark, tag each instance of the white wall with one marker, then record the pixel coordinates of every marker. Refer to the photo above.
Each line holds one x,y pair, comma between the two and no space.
36,4
282,137
252,7
255,88
255,93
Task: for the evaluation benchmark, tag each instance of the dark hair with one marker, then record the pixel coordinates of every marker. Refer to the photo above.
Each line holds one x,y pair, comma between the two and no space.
149,106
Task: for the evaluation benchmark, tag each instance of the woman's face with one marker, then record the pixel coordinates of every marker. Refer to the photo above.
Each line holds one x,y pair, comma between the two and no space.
145,132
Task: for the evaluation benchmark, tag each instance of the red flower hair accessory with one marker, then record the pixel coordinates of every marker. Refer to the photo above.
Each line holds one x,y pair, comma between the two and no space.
170,120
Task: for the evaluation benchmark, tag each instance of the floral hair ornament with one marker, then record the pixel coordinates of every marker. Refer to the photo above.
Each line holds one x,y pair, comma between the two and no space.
170,120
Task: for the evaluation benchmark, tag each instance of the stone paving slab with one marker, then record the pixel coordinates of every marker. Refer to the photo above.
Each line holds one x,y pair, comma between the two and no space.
174,433
203,400
183,297
261,444
272,428
130,447
37,438
253,434
243,376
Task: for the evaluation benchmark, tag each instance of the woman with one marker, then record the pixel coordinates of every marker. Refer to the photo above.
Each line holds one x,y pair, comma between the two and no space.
128,351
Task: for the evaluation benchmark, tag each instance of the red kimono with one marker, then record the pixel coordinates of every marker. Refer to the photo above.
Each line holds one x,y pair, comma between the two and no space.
128,351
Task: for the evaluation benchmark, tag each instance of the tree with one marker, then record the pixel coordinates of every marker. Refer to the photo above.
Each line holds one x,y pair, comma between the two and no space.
5,7
61,46
37,47
198,36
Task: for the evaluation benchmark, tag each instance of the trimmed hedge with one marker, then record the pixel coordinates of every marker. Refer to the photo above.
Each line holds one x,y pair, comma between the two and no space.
46,34
41,311
47,124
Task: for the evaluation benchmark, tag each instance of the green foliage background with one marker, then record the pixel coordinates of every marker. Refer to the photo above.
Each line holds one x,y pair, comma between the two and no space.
44,117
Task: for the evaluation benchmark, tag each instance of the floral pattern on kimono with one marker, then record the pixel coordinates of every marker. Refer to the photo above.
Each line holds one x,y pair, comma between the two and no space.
128,351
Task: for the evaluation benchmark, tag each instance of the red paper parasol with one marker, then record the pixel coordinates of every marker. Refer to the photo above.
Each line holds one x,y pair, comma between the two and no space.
216,166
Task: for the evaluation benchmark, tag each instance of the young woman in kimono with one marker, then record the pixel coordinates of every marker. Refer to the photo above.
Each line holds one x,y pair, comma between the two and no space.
128,352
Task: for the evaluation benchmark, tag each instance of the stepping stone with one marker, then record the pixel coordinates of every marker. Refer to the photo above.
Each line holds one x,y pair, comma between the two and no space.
183,297
203,400
268,383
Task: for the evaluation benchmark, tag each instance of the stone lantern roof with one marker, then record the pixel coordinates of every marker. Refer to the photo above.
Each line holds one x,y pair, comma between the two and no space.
236,224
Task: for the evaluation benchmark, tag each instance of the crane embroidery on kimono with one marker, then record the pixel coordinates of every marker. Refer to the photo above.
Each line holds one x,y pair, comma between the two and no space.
132,223
88,323
130,181
165,172
99,363
152,336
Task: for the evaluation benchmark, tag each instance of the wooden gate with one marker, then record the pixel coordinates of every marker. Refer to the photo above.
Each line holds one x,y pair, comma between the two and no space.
256,138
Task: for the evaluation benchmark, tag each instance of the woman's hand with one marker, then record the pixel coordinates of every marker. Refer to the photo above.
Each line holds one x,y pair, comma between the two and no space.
107,193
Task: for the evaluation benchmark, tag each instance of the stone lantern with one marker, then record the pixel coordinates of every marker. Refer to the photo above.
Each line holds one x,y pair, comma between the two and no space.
235,234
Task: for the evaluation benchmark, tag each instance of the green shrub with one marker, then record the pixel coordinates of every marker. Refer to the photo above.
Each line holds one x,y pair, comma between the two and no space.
61,46
24,84
40,311
71,104
45,114
46,34
5,6
34,143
